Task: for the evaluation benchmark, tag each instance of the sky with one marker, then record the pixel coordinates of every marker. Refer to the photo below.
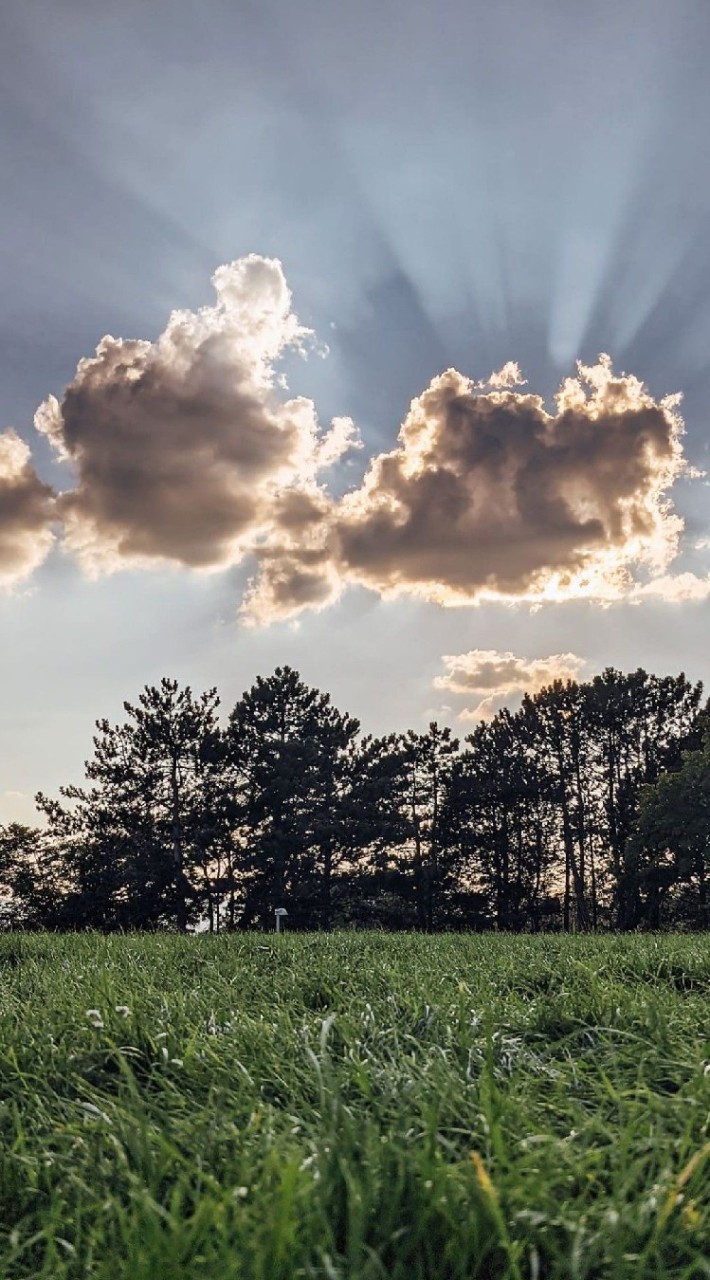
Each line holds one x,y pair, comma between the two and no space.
349,337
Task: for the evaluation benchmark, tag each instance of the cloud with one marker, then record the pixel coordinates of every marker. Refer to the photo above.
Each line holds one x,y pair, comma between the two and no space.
502,379
487,496
678,588
188,451
495,677
182,446
26,512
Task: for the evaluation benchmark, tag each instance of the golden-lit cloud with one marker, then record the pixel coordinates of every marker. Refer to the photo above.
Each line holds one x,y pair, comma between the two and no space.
26,512
672,588
488,496
188,451
181,446
493,678
505,378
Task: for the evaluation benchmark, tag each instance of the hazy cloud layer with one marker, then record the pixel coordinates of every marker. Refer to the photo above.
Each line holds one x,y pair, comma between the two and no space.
180,446
26,512
488,496
493,677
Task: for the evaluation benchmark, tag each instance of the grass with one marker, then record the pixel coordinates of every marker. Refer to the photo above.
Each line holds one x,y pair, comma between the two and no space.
355,1106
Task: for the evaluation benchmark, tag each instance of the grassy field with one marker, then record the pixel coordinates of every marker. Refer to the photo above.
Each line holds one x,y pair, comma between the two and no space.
354,1106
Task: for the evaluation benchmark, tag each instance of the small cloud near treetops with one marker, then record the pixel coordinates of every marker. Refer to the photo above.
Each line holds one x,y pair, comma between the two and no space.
494,678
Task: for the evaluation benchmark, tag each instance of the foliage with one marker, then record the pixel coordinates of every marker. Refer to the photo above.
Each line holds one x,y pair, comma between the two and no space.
292,757
671,845
135,840
534,823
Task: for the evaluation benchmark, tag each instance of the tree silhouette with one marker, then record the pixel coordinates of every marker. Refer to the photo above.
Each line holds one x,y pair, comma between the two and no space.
671,844
587,807
138,838
292,756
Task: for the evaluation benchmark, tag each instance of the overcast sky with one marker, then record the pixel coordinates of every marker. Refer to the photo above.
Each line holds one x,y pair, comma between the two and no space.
293,300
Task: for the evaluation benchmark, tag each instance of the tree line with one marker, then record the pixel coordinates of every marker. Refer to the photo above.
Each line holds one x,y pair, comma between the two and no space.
587,808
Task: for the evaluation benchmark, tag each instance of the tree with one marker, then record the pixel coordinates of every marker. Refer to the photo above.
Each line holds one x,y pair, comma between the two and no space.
500,821
639,725
291,755
380,888
426,760
140,840
671,844
30,878
555,720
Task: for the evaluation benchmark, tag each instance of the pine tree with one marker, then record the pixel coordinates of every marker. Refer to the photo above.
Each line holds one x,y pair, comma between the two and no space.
139,839
291,755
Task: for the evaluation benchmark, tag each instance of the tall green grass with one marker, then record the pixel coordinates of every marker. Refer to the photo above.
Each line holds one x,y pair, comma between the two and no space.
354,1106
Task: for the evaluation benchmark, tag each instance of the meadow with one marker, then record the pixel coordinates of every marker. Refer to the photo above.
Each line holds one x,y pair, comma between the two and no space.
354,1106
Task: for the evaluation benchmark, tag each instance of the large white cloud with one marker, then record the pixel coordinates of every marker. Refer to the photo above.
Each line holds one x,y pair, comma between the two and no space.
187,451
181,446
488,496
26,512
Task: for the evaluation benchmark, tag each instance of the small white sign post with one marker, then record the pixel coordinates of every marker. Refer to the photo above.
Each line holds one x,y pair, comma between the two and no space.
280,912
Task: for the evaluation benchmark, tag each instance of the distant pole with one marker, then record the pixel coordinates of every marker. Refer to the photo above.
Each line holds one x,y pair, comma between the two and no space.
280,912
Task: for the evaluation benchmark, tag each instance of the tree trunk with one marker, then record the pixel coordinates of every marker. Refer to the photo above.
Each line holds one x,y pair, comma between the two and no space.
593,884
566,912
327,911
177,850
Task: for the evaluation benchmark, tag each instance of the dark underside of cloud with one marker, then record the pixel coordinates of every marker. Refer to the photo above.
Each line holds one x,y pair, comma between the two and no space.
181,446
488,496
187,451
26,512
